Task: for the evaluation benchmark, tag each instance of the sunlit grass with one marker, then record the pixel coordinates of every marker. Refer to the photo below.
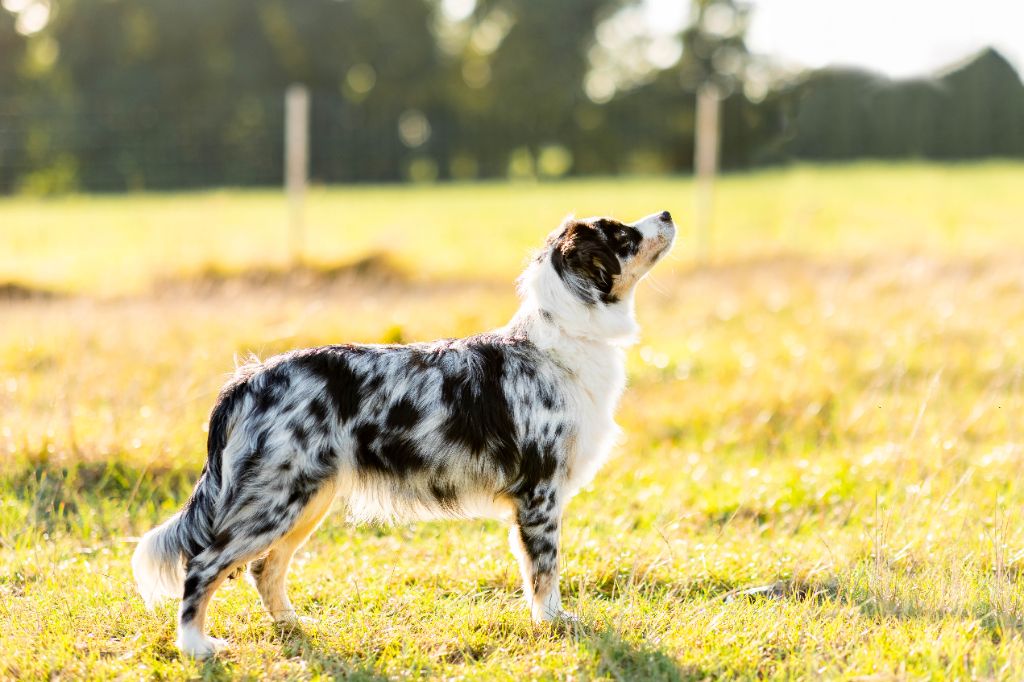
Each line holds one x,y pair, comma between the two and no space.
834,407
106,244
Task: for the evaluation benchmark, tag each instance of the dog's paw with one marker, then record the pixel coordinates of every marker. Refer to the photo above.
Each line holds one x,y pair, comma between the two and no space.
556,615
562,622
198,645
207,647
290,619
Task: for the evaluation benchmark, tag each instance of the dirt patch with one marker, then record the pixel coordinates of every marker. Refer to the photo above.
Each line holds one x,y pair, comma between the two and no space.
375,269
15,291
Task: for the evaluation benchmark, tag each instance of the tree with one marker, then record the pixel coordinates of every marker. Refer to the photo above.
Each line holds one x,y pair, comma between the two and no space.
533,61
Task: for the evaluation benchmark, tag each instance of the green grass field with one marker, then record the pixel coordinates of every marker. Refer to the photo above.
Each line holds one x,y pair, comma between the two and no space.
833,407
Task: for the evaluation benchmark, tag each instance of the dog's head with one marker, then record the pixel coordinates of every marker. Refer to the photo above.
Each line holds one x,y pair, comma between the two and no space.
584,277
600,260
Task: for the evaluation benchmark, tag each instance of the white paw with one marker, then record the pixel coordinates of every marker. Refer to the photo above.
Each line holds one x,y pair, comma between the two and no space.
290,618
197,645
284,617
554,615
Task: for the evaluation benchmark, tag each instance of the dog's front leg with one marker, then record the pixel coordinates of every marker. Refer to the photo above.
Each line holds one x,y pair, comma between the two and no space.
534,541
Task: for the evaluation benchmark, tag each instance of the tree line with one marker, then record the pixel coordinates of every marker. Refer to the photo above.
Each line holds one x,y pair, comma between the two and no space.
112,95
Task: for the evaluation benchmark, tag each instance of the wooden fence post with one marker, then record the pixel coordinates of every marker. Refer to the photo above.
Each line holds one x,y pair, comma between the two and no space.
705,164
296,165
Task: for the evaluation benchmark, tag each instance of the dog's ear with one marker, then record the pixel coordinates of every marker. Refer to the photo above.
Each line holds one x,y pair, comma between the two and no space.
584,254
595,262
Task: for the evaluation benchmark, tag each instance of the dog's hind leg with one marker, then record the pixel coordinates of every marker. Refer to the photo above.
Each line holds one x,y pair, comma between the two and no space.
269,572
246,531
202,579
534,540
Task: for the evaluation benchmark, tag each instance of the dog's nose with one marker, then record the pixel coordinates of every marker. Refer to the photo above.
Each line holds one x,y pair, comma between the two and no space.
666,217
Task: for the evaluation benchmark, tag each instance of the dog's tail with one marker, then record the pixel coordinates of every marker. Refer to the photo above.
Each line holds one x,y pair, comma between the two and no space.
159,560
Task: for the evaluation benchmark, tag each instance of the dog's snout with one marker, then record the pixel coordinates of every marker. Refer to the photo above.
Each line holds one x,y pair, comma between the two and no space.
665,217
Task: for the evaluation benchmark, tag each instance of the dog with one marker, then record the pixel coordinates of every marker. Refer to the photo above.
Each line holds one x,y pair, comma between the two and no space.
508,424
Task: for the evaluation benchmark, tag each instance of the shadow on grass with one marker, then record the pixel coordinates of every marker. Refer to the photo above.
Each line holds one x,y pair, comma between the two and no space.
615,657
609,654
296,642
332,667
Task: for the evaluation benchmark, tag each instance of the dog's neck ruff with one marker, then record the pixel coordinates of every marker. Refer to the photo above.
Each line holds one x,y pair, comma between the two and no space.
586,339
551,315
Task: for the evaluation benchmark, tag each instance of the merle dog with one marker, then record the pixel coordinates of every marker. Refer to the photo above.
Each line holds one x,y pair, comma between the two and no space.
507,424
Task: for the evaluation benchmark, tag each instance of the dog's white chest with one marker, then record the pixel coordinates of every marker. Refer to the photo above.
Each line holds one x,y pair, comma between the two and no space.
599,378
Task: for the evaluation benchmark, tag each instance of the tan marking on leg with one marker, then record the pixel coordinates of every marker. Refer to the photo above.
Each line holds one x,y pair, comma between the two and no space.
271,581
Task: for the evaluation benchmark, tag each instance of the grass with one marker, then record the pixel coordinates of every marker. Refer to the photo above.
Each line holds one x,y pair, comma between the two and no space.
832,408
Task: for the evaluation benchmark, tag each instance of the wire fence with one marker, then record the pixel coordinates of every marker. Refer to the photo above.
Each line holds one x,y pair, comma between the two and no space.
237,139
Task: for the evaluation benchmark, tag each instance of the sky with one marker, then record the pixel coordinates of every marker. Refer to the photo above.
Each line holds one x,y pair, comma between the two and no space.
899,38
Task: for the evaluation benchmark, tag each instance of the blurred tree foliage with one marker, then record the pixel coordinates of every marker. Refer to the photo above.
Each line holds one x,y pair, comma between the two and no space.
973,110
130,94
13,91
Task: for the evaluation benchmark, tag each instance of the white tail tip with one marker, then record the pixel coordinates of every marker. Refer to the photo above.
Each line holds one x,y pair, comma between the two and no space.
157,565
